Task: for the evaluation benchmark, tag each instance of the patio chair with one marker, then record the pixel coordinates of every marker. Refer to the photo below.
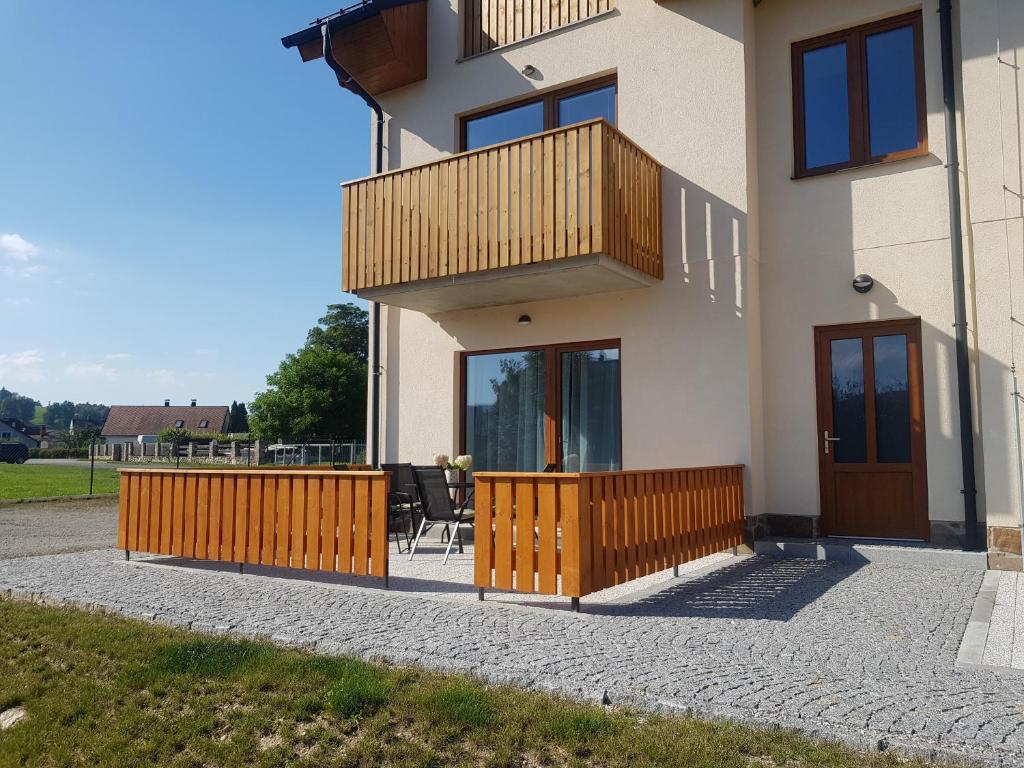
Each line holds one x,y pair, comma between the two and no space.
403,498
438,507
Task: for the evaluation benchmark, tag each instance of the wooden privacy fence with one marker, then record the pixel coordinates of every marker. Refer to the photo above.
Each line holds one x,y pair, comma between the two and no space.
580,190
576,533
488,24
316,520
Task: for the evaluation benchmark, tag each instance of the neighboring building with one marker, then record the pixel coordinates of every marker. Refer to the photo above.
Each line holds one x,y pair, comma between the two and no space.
672,285
16,431
125,423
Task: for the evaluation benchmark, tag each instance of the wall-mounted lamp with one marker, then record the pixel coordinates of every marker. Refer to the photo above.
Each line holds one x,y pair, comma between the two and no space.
529,70
525,319
863,283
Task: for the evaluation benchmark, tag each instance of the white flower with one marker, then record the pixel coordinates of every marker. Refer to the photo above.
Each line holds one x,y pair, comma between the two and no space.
463,462
441,460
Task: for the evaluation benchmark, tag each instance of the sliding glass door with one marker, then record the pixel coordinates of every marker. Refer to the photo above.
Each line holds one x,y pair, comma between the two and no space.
590,407
558,406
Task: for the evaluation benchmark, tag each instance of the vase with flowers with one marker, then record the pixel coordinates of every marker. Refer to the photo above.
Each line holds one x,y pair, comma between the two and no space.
451,466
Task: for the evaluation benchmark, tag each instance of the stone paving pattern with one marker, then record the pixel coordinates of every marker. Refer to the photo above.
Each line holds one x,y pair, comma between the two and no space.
1004,646
859,652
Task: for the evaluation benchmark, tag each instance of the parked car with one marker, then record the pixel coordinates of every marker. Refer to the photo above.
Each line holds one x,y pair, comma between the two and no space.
13,453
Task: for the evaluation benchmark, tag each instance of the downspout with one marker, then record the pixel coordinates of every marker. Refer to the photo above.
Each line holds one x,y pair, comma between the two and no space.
345,80
956,243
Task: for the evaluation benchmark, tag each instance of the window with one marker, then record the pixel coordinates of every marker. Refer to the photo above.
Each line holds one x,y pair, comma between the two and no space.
563,107
5,435
204,424
179,424
858,96
524,409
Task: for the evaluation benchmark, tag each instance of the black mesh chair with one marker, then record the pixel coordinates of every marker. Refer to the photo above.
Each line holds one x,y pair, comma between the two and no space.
403,499
438,507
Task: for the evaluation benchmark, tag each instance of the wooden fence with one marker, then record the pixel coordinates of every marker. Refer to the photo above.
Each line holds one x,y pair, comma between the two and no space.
573,534
489,24
316,520
579,190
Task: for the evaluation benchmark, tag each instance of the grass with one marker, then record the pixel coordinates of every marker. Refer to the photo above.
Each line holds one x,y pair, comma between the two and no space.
29,481
101,690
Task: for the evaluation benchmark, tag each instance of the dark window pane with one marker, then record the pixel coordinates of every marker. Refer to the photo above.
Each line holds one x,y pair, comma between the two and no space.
849,423
505,411
586,106
590,411
506,125
892,91
892,399
826,106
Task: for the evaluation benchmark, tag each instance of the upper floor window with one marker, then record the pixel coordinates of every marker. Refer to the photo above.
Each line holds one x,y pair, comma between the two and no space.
562,107
858,96
204,424
179,424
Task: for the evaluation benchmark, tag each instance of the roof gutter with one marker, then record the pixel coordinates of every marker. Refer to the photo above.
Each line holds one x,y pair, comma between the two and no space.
345,80
956,245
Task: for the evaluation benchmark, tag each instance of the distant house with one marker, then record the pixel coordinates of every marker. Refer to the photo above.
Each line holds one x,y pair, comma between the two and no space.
125,423
16,431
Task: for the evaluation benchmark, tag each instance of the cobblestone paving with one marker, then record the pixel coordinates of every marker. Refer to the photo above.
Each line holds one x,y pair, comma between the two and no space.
863,653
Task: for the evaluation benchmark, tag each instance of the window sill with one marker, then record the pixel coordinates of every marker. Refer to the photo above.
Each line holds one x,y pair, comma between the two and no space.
829,171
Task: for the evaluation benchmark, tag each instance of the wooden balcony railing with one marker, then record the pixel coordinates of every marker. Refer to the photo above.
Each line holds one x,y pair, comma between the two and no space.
488,24
580,190
573,534
316,520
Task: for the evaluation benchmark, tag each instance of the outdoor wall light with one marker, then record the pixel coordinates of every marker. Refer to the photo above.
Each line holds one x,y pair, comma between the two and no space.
863,283
525,319
529,70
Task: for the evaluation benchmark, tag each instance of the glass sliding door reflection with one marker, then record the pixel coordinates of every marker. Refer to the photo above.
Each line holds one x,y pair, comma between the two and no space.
505,411
590,408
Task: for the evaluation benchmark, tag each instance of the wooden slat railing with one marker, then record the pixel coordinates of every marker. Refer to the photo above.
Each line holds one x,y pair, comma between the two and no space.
573,534
316,520
583,189
489,24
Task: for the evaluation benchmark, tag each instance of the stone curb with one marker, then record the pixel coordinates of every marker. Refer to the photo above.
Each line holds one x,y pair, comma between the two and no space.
972,648
40,499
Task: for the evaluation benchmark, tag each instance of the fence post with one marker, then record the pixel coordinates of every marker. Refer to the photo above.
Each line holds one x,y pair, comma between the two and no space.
233,452
212,450
191,450
256,452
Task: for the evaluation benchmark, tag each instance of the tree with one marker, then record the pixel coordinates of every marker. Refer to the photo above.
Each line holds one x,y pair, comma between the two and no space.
60,415
15,406
316,392
344,328
91,413
81,438
238,417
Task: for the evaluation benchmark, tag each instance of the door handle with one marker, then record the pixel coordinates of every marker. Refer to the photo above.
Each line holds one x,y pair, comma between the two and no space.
829,441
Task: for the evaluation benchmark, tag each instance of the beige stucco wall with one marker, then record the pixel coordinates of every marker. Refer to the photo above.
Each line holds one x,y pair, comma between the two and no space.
687,382
718,359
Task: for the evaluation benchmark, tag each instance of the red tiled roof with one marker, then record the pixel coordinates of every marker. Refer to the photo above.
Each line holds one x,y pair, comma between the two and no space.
152,419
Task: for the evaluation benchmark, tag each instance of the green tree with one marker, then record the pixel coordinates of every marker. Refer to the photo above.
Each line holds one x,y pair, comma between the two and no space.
60,415
317,392
238,417
81,438
344,328
15,406
92,413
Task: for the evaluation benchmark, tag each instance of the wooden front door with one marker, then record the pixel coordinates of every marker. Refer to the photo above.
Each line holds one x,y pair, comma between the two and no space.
870,438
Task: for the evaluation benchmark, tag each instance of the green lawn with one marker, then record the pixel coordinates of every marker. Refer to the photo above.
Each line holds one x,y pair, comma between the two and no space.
27,481
101,690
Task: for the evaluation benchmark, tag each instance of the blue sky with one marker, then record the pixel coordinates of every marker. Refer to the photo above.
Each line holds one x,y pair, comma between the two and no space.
169,196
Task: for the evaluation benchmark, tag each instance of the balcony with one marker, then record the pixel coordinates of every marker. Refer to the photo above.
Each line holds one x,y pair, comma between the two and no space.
568,212
490,24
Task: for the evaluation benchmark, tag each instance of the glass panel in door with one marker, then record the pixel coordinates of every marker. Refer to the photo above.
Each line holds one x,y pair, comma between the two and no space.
849,420
505,411
590,409
599,102
892,399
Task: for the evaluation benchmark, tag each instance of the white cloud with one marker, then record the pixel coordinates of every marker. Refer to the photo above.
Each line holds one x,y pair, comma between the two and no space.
118,356
164,377
26,366
90,371
16,247
14,303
